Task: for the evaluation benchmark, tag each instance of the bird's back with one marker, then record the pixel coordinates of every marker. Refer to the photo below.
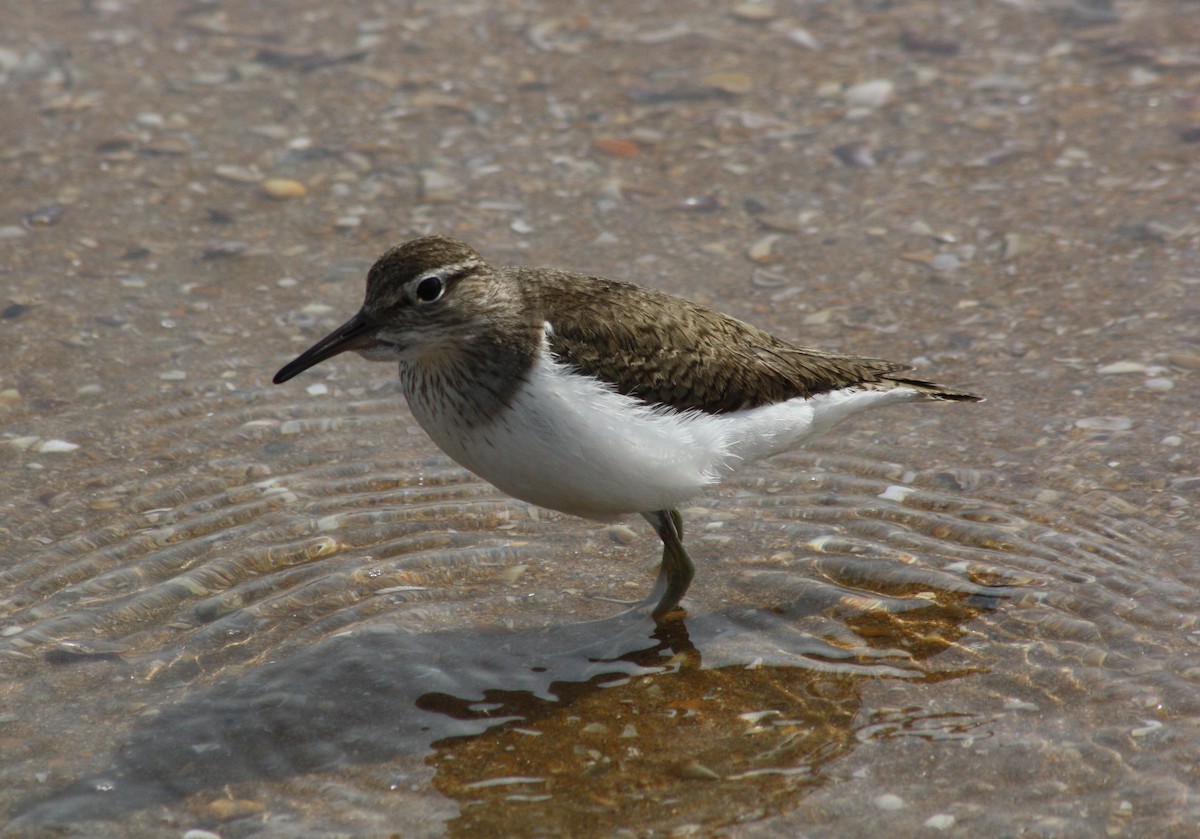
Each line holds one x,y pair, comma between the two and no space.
668,351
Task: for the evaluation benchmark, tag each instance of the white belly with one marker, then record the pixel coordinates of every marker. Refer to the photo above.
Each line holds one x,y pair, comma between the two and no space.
570,443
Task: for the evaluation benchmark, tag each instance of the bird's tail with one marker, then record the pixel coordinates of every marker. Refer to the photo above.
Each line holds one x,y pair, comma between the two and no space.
936,391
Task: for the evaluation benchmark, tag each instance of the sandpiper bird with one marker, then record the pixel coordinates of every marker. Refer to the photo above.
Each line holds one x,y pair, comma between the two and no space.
596,397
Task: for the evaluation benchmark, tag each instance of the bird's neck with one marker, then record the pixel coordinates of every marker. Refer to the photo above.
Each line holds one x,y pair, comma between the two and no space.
475,379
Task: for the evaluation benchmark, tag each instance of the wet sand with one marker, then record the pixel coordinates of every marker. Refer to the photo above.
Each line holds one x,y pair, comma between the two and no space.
262,611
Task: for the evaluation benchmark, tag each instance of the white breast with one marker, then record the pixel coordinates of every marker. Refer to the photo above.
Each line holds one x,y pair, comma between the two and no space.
570,443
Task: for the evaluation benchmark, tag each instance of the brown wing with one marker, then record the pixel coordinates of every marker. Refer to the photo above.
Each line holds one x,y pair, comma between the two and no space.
665,350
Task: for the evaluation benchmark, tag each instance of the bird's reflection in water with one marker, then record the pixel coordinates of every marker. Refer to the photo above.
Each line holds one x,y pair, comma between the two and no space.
569,720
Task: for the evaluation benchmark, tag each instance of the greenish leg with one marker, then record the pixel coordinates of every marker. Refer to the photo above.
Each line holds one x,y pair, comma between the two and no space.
677,570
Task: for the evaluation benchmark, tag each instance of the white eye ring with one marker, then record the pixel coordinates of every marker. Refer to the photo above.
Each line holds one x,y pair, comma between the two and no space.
429,289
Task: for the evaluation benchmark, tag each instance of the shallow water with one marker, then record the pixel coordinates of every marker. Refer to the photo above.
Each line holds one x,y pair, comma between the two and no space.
280,611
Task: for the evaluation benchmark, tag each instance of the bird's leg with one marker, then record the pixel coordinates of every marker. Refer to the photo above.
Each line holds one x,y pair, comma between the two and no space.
674,575
676,572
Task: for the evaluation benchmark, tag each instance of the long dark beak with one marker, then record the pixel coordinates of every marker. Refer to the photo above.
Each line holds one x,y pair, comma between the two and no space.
354,333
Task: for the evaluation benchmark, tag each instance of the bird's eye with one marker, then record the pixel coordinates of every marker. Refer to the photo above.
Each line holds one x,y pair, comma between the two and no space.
430,289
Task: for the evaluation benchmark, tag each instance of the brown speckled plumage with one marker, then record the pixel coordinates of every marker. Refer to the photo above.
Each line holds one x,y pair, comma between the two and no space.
666,350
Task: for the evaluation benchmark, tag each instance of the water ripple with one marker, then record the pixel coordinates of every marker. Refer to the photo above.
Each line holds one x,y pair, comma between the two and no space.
282,578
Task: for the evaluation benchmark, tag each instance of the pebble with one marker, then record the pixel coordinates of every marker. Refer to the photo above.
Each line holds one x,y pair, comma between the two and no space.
51,446
1119,367
173,375
1015,245
699,204
871,94
46,216
662,35
1150,727
856,154
753,12
169,146
999,82
921,257
1104,423
318,389
1159,384
207,611
760,251
896,493
622,534
1073,156
1141,77
1188,361
888,802
210,78
934,45
616,146
944,262
505,781
225,809
271,131
116,144
697,771
196,833
767,279
735,84
238,174
998,156
438,186
782,222
801,37
513,573
282,189
1015,704
941,821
